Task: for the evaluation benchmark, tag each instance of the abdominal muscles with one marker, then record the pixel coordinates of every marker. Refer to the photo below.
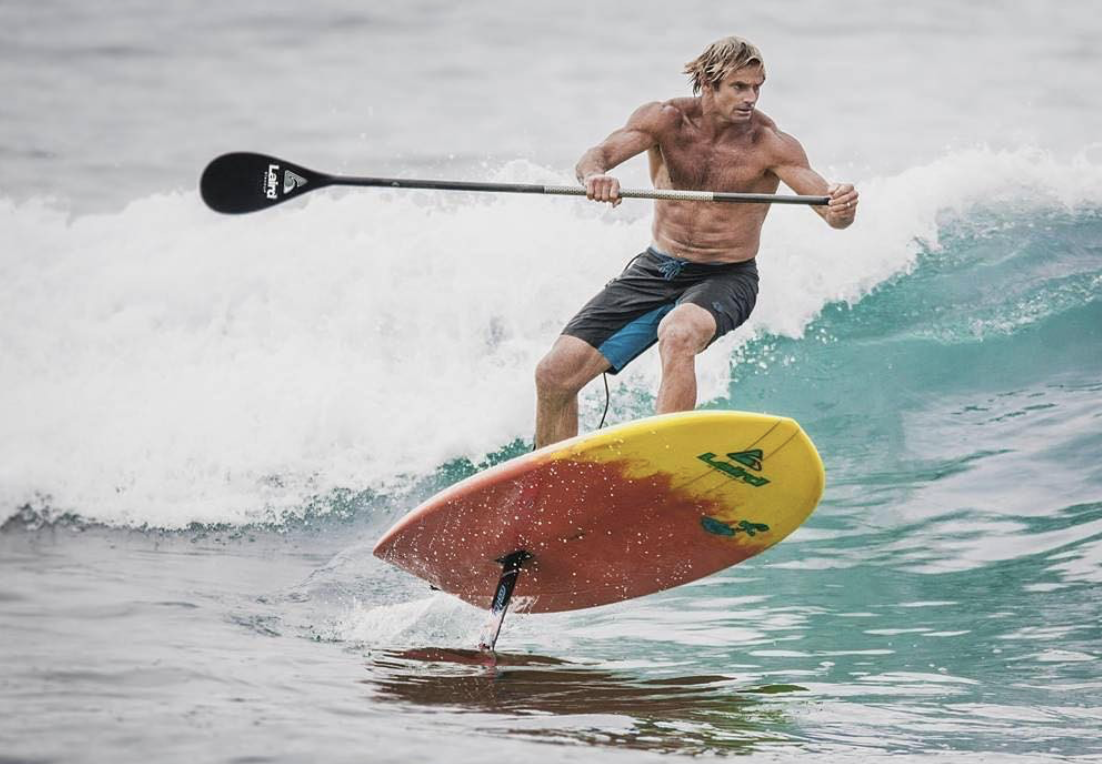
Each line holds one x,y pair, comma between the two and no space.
708,232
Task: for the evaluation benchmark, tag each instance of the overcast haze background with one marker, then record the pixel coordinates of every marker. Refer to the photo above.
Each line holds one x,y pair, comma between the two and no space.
105,104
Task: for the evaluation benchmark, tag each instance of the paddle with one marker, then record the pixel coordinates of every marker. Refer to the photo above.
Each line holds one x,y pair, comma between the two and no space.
247,182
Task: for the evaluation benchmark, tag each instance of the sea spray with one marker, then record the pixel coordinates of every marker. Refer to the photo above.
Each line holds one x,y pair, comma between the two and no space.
164,365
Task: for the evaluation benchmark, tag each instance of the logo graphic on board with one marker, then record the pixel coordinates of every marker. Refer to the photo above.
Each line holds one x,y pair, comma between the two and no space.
737,471
751,459
720,528
271,182
291,181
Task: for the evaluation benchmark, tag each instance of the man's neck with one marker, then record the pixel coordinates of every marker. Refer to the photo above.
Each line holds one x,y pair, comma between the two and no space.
719,126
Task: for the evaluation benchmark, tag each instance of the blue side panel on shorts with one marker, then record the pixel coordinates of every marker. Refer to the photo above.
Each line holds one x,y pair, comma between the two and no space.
621,348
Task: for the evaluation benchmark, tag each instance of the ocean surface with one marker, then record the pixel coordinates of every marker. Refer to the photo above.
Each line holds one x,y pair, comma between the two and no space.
207,421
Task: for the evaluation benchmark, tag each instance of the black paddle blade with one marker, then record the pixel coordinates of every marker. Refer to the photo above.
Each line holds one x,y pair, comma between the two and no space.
246,182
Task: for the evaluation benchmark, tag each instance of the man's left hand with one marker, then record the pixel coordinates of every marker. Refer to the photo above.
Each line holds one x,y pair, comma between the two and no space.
842,206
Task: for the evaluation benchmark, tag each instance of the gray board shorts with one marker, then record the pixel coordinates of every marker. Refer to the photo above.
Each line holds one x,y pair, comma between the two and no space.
621,321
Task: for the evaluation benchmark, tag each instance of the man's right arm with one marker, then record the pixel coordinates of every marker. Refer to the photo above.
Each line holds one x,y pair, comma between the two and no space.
639,134
791,166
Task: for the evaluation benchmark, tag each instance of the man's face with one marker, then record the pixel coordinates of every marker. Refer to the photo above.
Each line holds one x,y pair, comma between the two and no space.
737,93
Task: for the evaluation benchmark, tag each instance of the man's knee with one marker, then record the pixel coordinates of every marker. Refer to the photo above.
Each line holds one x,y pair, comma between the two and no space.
549,377
566,369
685,335
556,377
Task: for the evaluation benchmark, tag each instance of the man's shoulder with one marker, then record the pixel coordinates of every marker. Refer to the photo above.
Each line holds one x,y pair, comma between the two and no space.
765,123
678,111
683,106
660,116
780,145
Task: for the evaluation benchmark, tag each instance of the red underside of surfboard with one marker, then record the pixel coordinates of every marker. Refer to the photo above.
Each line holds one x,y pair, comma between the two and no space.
630,510
596,536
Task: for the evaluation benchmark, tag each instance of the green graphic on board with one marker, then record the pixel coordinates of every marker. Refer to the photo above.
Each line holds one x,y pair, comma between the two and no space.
751,459
720,528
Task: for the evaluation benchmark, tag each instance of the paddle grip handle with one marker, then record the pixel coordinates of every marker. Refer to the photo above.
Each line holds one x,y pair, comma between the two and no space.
675,195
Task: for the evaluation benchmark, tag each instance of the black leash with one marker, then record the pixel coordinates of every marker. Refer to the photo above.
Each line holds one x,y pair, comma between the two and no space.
604,376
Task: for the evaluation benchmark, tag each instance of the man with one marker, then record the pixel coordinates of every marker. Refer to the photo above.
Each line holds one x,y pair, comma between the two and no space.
697,280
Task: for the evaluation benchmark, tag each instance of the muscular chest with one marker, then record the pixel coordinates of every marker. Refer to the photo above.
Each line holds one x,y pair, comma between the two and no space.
692,163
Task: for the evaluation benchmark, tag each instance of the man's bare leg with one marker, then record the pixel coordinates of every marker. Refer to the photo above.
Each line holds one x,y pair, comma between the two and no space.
684,332
561,374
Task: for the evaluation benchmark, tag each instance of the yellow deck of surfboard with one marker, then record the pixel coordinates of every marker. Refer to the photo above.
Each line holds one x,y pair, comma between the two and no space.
763,468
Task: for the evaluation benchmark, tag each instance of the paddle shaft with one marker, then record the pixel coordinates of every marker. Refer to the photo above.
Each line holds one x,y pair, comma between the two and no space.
246,182
533,188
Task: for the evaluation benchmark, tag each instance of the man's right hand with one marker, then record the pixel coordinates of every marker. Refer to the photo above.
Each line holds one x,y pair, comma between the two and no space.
603,188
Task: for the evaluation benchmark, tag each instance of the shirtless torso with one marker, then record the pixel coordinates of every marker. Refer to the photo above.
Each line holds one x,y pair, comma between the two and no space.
685,156
716,142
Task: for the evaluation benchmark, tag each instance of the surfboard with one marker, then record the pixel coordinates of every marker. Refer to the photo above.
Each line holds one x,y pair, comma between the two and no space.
614,514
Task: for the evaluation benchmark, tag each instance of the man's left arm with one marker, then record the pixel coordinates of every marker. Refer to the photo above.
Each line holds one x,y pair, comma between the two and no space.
792,167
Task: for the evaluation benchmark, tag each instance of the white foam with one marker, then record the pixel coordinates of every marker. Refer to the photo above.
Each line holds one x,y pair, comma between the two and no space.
166,365
440,619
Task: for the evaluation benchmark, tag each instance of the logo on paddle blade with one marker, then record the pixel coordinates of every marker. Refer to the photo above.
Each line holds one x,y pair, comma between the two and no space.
291,181
751,459
271,182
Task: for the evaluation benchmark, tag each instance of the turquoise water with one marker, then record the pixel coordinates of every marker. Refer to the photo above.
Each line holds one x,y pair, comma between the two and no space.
941,601
206,422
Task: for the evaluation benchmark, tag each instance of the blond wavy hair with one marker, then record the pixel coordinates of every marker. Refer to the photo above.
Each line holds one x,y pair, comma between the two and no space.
719,59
